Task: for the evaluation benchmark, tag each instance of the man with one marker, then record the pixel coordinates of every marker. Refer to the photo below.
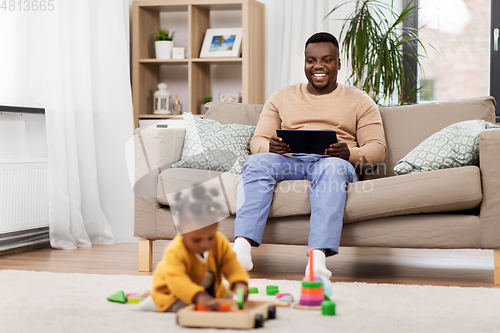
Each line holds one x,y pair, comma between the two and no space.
321,104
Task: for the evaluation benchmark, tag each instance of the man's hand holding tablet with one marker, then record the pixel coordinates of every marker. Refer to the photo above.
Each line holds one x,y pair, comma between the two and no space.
308,142
339,150
276,145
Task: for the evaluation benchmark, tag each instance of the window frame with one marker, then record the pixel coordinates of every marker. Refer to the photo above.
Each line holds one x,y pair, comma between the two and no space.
495,56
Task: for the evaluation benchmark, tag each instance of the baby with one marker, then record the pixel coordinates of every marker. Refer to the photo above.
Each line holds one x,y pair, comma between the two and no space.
194,262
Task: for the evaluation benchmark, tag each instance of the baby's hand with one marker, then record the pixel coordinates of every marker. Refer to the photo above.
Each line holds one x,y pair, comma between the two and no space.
241,285
208,301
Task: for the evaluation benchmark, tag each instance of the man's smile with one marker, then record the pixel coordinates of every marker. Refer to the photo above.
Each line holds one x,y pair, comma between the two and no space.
319,77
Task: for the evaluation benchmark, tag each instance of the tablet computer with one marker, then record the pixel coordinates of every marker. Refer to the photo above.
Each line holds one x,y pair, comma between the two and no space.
307,141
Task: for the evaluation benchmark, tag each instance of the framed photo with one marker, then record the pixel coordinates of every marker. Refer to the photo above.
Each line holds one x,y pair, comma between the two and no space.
222,43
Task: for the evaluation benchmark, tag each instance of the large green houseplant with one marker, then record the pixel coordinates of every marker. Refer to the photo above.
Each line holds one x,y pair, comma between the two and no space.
372,38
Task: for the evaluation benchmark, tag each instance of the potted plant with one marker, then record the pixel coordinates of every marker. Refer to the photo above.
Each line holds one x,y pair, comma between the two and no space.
163,43
372,39
205,100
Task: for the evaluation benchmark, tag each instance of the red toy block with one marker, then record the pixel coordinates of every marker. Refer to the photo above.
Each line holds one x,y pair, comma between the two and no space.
223,307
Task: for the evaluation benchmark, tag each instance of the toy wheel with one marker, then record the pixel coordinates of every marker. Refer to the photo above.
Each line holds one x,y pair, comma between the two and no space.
271,312
259,321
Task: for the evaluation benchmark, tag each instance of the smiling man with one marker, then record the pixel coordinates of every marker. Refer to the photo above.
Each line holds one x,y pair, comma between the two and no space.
321,104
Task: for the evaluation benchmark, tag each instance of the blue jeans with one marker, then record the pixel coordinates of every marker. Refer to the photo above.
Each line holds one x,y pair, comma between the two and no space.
328,177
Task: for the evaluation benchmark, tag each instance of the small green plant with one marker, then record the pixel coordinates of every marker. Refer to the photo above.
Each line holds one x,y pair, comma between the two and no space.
206,99
163,34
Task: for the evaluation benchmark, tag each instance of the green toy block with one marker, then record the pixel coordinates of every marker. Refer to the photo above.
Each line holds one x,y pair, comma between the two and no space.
240,298
253,290
311,284
272,290
118,297
328,308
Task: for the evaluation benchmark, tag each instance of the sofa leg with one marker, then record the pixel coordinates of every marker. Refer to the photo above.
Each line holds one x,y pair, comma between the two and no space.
497,266
145,255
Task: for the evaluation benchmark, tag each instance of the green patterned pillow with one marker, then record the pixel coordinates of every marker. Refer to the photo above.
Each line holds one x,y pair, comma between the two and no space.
454,146
208,145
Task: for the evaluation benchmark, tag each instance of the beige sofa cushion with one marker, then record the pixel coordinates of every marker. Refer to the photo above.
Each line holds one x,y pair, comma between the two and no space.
407,126
427,192
295,191
444,190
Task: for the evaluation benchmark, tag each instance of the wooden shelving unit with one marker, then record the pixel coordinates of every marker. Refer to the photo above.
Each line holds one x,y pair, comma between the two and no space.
146,69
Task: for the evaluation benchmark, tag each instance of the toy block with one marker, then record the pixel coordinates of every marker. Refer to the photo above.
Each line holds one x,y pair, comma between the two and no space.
312,292
272,290
283,300
134,299
252,317
118,297
240,298
328,308
224,307
253,290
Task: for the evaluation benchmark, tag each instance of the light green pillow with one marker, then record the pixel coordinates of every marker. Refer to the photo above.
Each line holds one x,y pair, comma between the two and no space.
454,146
208,145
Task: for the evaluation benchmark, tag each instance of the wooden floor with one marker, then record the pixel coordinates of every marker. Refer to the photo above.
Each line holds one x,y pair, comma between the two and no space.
375,265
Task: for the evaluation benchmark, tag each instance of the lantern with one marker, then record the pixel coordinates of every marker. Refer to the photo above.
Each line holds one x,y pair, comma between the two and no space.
162,100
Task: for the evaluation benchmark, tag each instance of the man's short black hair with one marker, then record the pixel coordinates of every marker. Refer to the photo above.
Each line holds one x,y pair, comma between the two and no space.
323,37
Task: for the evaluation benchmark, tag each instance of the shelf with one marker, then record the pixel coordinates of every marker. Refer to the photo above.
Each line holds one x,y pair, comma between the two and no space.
164,116
159,116
159,6
163,61
218,60
181,5
197,76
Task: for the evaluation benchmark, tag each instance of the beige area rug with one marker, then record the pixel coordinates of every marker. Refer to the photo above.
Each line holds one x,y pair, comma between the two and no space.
59,302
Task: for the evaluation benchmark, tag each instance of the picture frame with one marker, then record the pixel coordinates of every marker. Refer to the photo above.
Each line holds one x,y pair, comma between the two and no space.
222,43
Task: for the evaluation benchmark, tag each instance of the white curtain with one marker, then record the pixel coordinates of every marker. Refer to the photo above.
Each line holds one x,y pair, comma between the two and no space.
77,68
289,23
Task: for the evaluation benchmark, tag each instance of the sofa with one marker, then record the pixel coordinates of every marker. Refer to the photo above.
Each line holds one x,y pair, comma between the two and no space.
455,208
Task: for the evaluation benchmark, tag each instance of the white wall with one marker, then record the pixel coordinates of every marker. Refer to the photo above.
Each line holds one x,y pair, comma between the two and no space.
22,136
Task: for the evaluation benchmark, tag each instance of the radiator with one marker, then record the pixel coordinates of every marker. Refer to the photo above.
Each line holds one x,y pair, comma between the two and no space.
24,206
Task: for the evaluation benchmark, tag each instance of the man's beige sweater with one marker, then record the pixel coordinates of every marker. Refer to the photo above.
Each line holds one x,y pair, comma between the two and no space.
347,110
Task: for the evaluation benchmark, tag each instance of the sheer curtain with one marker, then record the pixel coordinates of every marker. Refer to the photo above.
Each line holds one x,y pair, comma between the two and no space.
77,68
289,23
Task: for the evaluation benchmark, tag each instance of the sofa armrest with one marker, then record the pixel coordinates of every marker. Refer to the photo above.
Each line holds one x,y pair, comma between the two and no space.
155,149
489,163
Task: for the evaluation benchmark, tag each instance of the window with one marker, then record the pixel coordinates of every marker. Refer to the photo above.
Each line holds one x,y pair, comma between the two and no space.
460,66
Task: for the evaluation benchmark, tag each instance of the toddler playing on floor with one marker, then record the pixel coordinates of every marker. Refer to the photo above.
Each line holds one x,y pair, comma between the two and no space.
194,262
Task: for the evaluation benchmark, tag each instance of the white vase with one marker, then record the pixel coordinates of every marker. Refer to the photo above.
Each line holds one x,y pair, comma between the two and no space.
163,49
